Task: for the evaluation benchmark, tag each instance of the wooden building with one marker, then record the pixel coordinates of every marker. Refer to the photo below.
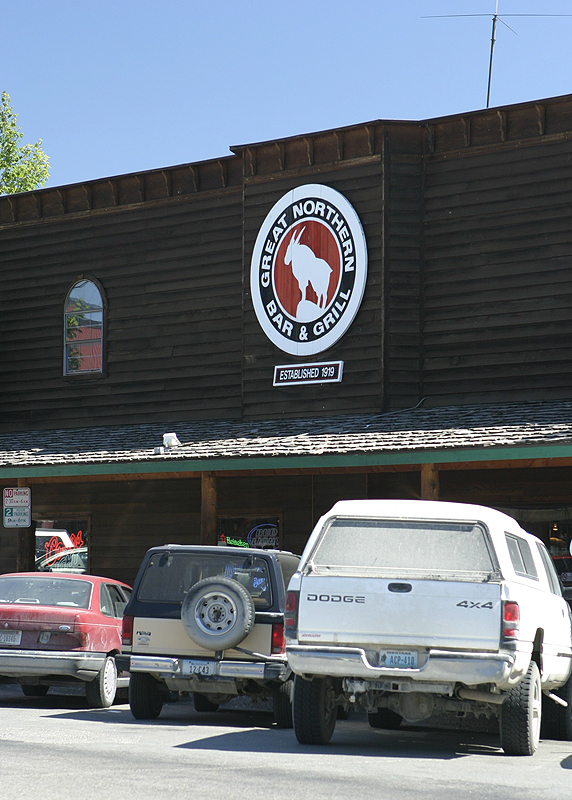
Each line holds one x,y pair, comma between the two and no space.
435,363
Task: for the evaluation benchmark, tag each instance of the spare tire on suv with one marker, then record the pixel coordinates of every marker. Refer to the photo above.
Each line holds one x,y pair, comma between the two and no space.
218,613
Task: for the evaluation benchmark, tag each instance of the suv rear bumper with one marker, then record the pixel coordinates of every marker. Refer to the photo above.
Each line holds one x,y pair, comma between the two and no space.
503,669
170,667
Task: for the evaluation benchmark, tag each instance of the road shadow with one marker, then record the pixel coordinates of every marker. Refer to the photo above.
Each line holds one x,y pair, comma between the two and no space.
358,739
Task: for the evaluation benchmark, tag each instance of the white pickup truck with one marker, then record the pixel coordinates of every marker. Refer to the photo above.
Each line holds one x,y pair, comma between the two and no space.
406,608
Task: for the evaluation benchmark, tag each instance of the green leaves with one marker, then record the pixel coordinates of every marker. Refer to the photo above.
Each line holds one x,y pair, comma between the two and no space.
22,167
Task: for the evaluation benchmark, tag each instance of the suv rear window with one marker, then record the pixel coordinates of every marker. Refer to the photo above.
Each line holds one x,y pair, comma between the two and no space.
169,576
415,549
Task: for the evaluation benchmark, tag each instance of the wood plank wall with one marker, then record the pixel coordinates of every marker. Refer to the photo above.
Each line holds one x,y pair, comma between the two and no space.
172,276
497,281
167,248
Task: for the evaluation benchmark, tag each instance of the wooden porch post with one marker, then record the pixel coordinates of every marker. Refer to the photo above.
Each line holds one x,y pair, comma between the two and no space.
26,549
208,508
429,482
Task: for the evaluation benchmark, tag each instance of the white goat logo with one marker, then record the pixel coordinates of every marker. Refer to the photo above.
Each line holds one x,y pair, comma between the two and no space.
308,269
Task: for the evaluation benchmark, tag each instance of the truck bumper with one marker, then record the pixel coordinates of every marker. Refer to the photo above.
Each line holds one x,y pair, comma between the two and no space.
41,663
167,667
442,666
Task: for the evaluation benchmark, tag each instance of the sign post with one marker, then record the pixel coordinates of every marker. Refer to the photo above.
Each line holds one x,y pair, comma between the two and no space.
17,508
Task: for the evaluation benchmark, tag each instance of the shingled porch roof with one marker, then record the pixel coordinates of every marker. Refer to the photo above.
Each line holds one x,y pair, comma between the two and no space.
413,436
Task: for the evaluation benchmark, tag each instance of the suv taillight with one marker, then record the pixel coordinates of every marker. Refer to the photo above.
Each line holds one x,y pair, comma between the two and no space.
291,615
127,631
510,619
278,644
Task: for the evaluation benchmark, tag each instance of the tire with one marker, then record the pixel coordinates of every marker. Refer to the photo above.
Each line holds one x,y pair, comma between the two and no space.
282,704
521,715
34,690
556,719
101,691
315,710
202,703
217,613
145,696
385,718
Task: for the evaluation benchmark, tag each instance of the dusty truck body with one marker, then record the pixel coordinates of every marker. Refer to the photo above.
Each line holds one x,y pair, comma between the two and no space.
407,608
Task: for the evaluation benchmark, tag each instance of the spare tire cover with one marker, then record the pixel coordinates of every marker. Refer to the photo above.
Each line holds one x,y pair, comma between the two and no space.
217,613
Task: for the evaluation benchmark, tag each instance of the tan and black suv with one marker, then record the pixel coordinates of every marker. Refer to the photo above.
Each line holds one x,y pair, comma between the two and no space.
208,621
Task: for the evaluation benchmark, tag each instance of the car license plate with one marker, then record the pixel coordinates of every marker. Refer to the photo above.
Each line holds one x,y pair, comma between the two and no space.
10,637
192,667
398,659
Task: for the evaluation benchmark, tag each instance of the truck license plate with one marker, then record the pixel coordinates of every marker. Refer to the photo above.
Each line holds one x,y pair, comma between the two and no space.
10,637
398,659
192,667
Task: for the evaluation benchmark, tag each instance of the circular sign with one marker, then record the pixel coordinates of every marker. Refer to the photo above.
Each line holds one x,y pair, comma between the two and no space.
308,270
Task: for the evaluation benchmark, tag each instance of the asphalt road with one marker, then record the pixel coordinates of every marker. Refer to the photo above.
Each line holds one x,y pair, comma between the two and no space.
56,748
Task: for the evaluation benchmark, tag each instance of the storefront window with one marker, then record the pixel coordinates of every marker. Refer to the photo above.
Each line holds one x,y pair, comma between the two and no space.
249,531
560,537
61,546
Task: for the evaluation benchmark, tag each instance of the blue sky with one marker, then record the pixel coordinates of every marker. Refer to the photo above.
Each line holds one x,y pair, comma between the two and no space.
118,86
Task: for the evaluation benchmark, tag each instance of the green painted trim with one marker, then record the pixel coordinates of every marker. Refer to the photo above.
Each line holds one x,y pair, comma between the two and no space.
386,458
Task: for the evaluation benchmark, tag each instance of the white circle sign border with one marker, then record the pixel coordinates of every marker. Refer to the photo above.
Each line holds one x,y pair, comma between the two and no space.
326,341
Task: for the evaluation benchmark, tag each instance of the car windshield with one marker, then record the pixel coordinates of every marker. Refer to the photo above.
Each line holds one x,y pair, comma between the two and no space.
45,591
424,549
169,576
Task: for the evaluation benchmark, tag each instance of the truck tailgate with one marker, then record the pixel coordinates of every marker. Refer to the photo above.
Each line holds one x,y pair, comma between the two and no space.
399,613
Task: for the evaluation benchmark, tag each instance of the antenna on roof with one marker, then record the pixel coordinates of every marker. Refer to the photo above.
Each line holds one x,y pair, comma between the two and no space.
493,36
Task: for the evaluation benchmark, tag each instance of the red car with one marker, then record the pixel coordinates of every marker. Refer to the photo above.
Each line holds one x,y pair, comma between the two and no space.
62,629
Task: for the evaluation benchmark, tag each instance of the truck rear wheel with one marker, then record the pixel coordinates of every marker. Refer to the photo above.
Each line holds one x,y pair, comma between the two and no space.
315,710
557,719
202,703
521,714
282,704
384,718
34,690
145,696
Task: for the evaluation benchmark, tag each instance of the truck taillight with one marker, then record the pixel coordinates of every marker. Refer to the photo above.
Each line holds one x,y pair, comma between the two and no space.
278,644
127,631
510,619
291,615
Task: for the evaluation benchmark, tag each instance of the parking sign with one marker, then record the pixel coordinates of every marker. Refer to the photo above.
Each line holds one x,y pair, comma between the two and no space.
17,508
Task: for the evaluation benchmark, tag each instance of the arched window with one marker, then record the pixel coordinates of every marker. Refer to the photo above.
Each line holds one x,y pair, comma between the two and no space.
83,326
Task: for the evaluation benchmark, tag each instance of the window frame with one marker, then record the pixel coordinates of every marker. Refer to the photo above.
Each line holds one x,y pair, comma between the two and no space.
92,374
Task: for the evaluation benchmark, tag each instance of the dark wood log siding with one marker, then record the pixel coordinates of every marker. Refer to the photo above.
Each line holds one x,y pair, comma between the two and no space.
497,279
402,293
173,282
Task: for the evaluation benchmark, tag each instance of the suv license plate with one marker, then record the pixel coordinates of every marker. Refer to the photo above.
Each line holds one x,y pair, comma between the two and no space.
398,659
10,637
191,667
